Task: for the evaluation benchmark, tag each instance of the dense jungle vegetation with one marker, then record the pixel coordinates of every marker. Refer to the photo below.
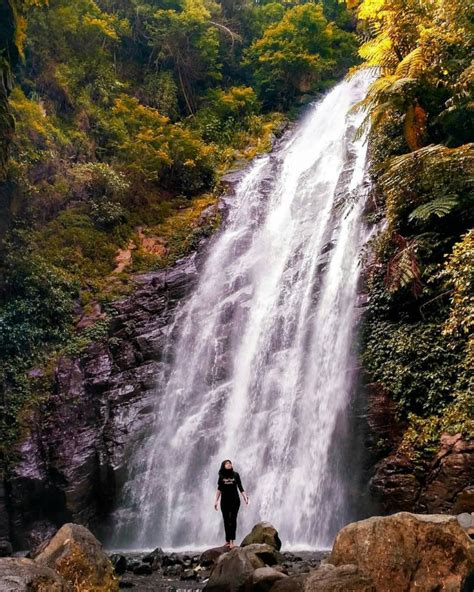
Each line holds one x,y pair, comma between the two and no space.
128,111
418,336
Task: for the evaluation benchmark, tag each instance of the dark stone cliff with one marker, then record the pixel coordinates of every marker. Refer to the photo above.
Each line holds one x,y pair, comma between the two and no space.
441,484
71,462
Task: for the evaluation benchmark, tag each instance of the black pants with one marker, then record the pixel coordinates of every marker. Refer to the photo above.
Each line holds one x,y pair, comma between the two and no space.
229,513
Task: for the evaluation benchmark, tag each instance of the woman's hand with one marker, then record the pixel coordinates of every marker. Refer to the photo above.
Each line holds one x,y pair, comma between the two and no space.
246,499
215,506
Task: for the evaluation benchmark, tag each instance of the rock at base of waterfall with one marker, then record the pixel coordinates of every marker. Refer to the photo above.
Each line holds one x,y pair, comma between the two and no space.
188,574
268,554
263,578
119,563
174,570
144,569
231,572
25,575
263,532
155,558
406,551
210,556
6,548
79,558
345,578
294,583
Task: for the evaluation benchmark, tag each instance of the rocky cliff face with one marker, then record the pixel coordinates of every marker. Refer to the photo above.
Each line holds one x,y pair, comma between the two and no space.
71,462
442,484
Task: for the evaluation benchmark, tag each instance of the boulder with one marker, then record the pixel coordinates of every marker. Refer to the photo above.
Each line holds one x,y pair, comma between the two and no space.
25,575
345,578
173,570
6,548
407,551
188,574
144,569
268,554
263,532
78,556
294,583
155,558
263,578
210,556
231,572
119,563
172,559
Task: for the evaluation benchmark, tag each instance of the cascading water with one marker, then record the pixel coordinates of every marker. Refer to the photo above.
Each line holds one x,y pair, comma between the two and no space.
263,365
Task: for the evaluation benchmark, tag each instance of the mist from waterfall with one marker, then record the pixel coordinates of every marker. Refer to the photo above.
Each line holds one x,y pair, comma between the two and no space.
263,360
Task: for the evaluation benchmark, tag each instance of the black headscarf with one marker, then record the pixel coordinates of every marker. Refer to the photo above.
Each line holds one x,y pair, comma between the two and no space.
223,472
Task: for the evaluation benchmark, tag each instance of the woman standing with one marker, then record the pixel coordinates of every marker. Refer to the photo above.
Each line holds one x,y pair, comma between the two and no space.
228,487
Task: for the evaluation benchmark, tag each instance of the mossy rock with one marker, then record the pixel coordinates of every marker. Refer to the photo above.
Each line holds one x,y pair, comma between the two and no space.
263,533
79,558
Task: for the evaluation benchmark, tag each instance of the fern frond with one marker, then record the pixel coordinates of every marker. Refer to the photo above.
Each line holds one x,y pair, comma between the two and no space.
403,269
412,64
438,207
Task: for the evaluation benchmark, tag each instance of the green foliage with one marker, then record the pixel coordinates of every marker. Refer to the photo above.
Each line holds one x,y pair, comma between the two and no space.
158,151
161,92
418,339
438,207
36,314
78,343
104,189
425,175
74,243
421,49
226,113
421,440
295,54
36,304
415,363
458,274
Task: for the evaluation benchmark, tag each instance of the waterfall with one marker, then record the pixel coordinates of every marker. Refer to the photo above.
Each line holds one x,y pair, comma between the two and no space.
263,358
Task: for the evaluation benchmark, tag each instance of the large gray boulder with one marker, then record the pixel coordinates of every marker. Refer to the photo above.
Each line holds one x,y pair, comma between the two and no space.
79,558
263,578
25,575
346,578
293,583
268,554
210,556
263,533
232,571
406,552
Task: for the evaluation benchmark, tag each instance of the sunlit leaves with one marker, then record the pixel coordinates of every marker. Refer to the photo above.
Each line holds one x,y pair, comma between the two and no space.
295,53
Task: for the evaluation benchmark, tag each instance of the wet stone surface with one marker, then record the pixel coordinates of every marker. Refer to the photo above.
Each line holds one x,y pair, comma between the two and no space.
180,572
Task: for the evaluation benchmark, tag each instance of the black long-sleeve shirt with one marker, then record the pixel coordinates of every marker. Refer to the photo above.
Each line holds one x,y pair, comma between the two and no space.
228,488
